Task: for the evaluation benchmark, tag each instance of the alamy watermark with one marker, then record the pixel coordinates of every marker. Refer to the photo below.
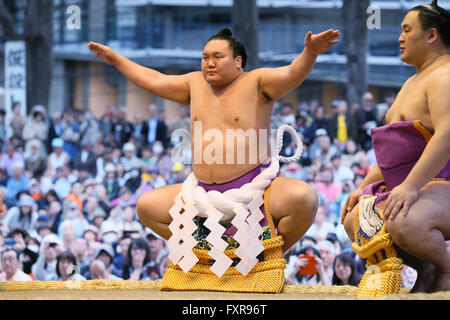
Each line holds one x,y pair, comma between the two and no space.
229,146
374,20
73,270
73,21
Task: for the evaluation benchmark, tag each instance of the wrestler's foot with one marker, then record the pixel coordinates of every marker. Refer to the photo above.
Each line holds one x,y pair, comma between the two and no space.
426,276
442,282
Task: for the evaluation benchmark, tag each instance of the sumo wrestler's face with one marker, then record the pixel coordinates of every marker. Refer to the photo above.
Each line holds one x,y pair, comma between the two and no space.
219,67
412,40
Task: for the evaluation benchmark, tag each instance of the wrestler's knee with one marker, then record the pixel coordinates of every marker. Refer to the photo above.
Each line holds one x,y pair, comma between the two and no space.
143,208
305,201
349,224
403,229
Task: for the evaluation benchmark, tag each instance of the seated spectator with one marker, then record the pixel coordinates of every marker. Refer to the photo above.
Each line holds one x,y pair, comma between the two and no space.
321,226
327,253
318,278
66,267
64,180
79,251
44,229
105,254
36,193
98,270
178,174
345,272
125,198
163,266
324,151
90,255
364,163
28,254
45,267
102,198
294,170
75,217
157,246
332,237
130,222
98,217
90,233
351,154
37,128
58,157
23,216
342,125
137,262
86,161
288,116
111,182
121,253
17,121
11,266
68,235
320,121
325,185
132,180
341,173
17,183
303,128
10,158
90,206
35,158
110,232
75,195
129,159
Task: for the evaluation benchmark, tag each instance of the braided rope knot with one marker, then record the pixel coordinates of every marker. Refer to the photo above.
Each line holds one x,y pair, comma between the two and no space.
238,205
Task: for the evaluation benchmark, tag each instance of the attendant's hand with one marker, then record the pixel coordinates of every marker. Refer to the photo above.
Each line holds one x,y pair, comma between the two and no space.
103,52
319,43
349,204
400,200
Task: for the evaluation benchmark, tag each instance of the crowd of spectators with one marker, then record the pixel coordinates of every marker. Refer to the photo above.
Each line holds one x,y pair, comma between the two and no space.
70,183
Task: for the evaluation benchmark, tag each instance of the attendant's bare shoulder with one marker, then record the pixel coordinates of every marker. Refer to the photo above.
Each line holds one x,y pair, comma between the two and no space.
438,99
440,75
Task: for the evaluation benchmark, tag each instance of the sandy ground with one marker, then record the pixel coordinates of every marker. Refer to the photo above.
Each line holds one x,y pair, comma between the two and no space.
149,290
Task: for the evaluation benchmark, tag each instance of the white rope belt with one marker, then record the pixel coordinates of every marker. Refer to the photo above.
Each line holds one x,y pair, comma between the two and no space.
240,205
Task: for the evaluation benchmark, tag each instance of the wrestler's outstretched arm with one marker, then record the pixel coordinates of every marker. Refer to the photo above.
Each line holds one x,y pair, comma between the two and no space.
436,153
170,87
276,82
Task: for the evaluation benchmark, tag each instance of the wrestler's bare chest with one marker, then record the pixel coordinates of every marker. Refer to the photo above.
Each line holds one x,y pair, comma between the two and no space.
239,106
411,104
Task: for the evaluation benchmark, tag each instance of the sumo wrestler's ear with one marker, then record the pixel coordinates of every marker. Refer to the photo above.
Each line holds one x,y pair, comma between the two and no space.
239,61
432,35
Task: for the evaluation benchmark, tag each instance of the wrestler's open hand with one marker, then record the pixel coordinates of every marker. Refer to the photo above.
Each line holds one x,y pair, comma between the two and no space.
400,200
103,52
351,201
319,43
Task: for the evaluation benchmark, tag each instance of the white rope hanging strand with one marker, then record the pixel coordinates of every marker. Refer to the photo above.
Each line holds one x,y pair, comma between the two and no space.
227,201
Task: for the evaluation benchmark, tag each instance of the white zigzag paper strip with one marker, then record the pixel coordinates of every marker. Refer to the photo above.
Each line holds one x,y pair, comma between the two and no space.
248,233
222,262
182,227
